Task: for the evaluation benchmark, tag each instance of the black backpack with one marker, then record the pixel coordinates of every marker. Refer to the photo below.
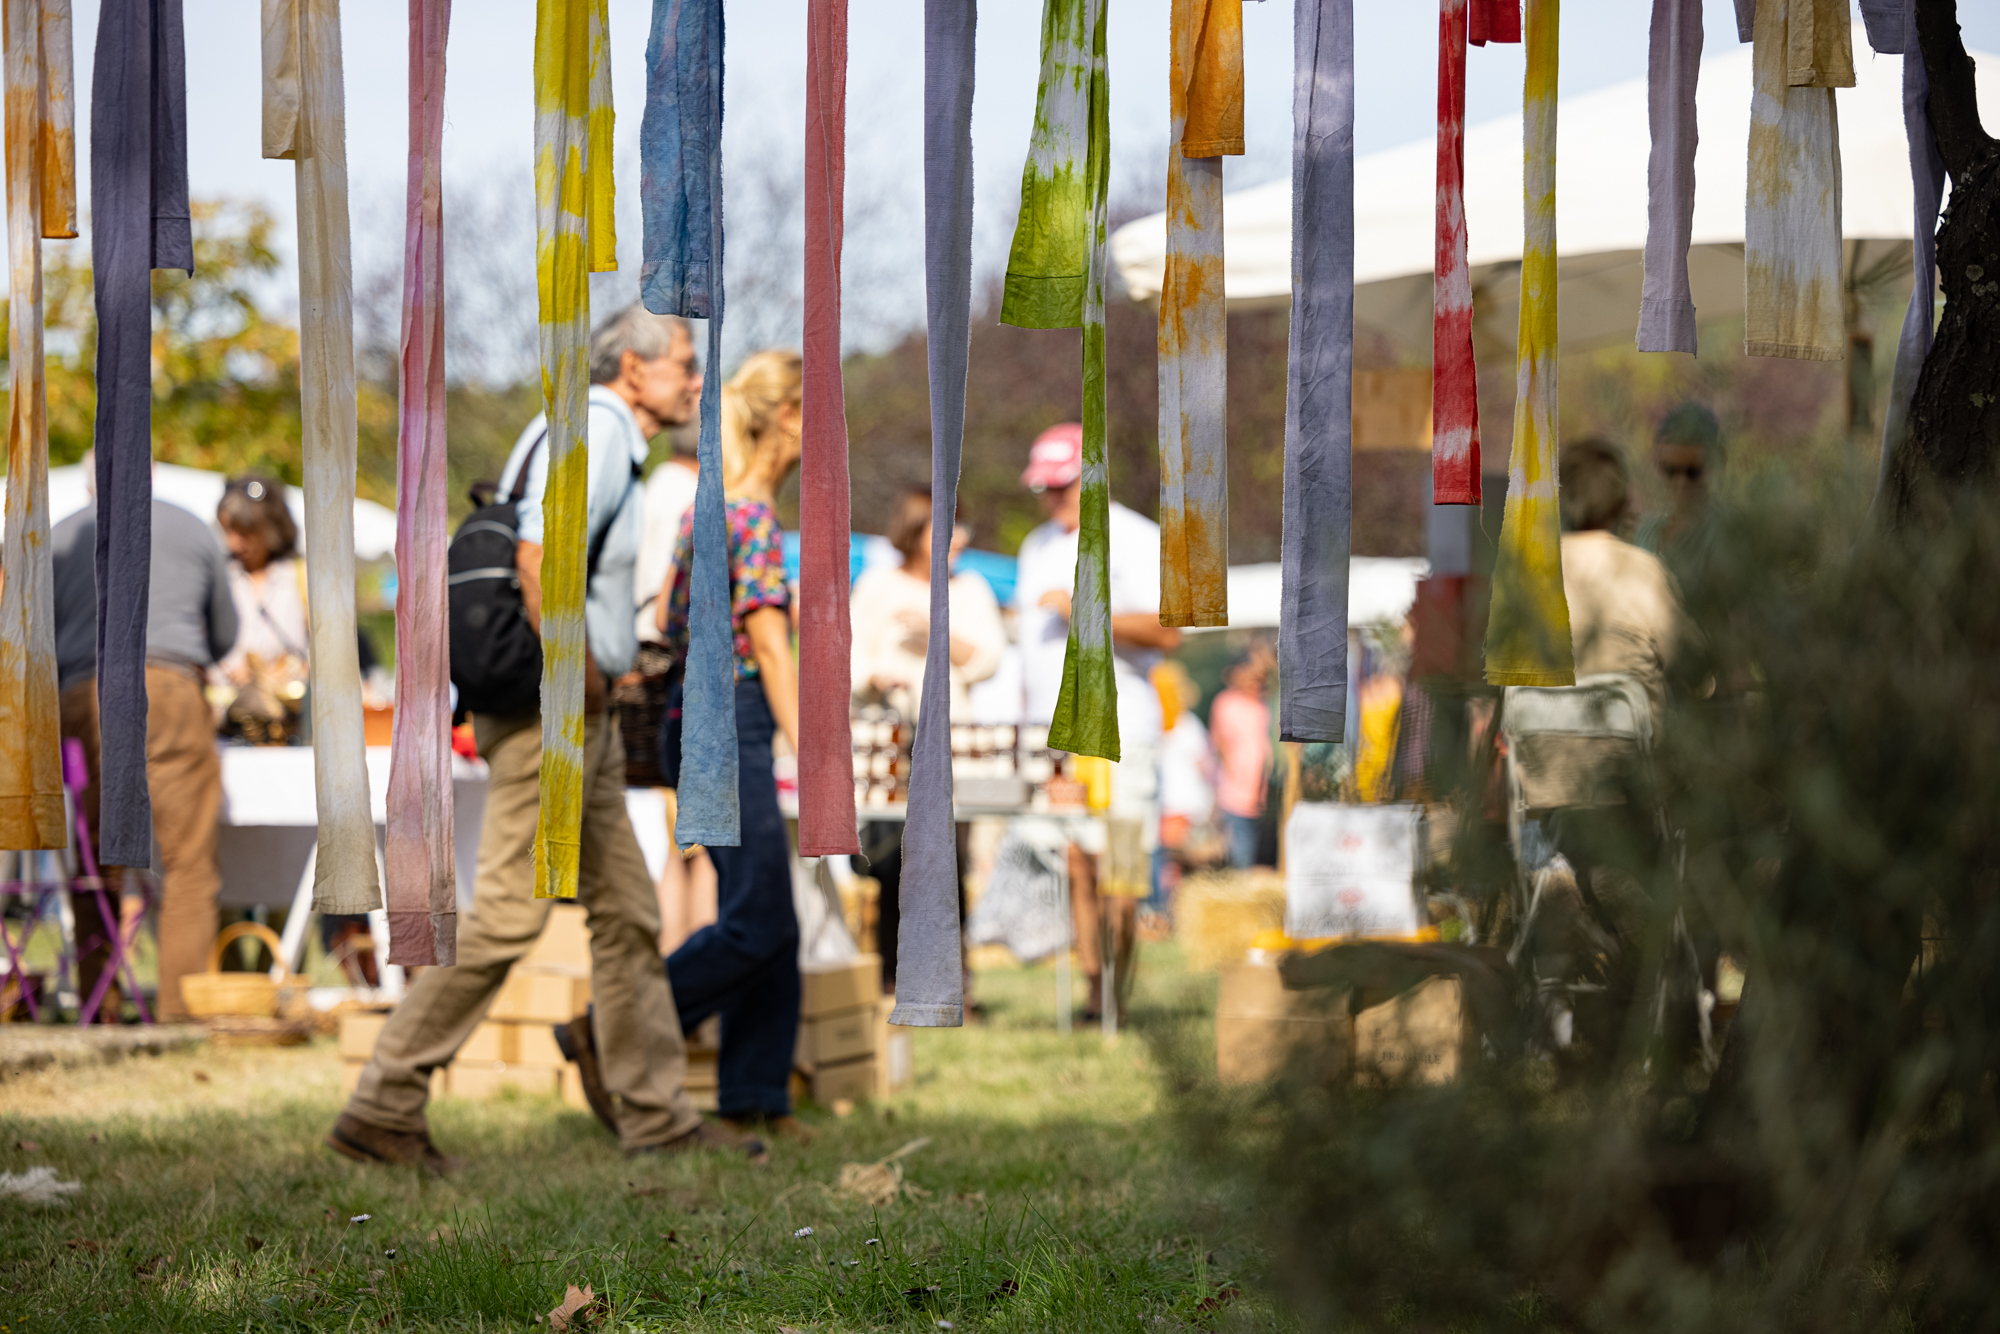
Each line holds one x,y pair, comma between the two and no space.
496,656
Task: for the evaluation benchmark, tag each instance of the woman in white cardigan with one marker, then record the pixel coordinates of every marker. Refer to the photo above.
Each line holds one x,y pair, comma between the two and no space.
892,617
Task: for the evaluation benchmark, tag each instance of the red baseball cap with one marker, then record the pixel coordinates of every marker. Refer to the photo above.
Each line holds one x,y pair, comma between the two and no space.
1055,459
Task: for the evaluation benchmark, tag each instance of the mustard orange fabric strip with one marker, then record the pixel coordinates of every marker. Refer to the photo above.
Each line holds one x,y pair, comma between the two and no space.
1205,93
37,81
1527,637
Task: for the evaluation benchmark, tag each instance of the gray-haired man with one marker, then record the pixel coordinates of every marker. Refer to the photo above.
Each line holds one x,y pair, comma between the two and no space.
634,1062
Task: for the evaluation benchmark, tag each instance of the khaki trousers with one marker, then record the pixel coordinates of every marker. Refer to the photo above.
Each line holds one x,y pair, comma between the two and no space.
184,780
638,1033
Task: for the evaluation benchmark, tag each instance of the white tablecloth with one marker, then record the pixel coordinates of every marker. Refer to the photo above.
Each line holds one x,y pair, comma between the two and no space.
270,819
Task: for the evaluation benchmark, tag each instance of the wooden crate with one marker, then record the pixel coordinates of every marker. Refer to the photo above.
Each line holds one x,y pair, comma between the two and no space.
849,1081
840,1036
358,1031
1422,1036
544,995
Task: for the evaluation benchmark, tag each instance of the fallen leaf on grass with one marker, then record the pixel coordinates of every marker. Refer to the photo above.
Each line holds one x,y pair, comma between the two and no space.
972,1197
576,1302
151,1268
1224,1295
201,1077
1008,1287
254,1243
27,1146
96,1138
84,1244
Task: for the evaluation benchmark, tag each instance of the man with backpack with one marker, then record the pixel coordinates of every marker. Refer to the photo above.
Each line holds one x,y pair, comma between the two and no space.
630,1053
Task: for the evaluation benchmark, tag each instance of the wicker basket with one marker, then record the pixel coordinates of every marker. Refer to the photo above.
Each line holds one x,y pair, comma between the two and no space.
218,993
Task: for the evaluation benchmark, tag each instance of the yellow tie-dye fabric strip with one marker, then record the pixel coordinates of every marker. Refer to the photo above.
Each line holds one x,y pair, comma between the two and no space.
1527,637
573,211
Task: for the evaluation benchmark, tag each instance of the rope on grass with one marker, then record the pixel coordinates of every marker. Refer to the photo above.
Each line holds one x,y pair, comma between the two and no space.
881,1182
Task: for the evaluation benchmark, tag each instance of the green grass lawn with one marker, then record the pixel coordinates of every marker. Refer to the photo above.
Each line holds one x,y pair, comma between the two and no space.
1050,1196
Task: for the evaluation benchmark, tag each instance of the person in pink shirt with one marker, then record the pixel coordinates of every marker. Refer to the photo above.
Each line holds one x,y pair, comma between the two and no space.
1239,727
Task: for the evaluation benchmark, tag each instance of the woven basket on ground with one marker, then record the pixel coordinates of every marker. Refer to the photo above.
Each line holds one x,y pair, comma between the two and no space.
215,993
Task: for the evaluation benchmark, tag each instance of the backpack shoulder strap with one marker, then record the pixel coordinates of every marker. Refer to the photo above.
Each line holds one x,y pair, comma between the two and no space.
520,487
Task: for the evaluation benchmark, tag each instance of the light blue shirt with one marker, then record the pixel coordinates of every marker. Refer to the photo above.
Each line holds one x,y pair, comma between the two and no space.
617,449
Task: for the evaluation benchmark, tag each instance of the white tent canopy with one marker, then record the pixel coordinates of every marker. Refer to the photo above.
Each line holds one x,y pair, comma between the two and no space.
199,492
1603,141
1379,588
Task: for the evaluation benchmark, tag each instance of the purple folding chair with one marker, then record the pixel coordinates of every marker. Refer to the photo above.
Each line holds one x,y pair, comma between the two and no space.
117,938
39,895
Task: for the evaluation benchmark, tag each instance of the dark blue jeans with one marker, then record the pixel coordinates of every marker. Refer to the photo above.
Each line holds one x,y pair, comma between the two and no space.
745,966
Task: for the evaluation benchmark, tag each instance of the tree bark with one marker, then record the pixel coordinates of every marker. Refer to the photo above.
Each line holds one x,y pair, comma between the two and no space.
1954,439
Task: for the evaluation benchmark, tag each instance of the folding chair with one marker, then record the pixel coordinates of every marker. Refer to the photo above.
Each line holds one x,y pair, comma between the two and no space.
44,901
116,937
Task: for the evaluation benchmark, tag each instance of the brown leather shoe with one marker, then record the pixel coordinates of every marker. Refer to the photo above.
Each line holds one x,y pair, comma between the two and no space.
779,1127
366,1142
719,1139
579,1044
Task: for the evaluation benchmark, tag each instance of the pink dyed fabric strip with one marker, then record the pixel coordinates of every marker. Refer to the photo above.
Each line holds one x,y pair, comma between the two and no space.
826,745
422,894
1455,377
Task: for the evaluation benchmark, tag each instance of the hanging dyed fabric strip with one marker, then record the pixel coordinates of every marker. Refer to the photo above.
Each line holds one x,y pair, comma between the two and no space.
1746,20
1493,21
1527,635
930,977
1055,280
1454,374
308,96
139,222
41,201
680,147
1205,94
1666,306
422,894
1819,44
826,742
1319,394
573,239
1927,191
1794,296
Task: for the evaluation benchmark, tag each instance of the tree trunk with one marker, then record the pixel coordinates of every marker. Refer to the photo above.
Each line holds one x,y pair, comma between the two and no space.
1954,438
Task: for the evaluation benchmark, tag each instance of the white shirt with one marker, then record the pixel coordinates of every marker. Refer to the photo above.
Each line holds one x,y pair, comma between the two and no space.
886,649
1047,562
617,450
1187,770
669,495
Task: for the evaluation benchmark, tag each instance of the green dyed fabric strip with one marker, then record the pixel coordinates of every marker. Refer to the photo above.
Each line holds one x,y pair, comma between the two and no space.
1074,108
1048,267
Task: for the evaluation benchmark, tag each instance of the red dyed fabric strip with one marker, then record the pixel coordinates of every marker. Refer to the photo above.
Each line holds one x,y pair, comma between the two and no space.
417,853
1493,21
826,759
1454,376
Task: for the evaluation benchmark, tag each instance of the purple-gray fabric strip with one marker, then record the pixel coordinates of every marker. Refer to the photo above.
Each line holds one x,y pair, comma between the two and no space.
139,222
1666,305
1927,190
1319,399
930,977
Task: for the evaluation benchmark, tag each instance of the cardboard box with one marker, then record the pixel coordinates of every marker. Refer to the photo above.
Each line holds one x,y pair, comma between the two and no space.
847,985
358,1031
853,1080
1422,1036
1258,1023
544,995
840,1036
565,941
489,1042
533,1044
483,1079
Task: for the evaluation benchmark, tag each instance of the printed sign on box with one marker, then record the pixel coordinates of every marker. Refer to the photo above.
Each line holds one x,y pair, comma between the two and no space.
1351,871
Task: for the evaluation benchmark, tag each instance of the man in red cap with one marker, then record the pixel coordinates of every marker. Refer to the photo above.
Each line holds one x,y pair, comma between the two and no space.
1045,581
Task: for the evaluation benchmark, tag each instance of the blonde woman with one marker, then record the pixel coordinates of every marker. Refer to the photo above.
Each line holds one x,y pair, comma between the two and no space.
744,966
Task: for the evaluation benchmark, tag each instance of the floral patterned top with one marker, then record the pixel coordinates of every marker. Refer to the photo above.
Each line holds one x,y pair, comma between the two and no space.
756,576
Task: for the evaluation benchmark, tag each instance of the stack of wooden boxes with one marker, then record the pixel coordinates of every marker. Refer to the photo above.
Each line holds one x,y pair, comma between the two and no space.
515,1046
846,1050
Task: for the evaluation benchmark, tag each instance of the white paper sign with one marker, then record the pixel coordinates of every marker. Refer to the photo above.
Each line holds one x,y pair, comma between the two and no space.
1351,870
